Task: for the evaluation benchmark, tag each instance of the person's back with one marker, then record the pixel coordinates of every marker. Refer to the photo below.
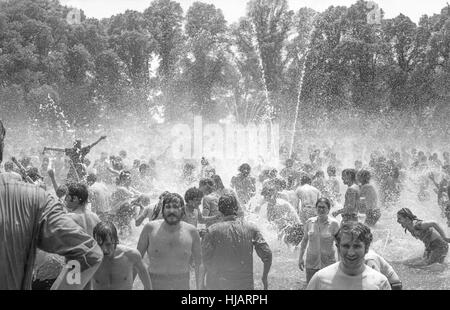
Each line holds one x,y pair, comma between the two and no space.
99,197
228,254
32,218
333,278
86,219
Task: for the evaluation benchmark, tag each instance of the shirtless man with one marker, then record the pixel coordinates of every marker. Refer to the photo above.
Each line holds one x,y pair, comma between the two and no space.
116,270
76,202
170,245
351,203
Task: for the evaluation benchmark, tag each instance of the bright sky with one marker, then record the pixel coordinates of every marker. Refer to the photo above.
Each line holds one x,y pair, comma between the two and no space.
233,9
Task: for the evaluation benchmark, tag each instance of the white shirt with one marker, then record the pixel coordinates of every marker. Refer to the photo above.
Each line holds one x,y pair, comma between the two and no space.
333,278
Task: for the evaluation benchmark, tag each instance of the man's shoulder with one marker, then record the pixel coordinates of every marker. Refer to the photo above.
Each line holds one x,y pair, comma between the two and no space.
187,226
329,271
374,277
130,253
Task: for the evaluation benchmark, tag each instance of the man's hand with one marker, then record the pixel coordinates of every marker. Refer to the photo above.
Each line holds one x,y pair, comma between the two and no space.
51,173
301,264
44,150
102,137
265,282
335,213
447,239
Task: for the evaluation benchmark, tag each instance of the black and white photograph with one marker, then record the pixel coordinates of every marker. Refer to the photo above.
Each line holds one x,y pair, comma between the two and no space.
229,146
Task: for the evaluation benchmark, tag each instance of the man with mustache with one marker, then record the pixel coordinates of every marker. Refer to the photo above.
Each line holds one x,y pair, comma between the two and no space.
30,218
170,244
350,273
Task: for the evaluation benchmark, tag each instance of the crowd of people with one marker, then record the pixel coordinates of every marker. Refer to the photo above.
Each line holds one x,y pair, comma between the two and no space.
73,208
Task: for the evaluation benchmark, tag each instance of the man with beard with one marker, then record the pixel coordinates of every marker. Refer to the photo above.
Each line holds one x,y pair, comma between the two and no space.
170,245
351,203
244,184
228,250
350,273
31,219
77,154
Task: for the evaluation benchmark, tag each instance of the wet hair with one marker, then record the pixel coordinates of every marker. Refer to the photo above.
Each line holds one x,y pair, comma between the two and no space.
273,173
188,166
319,173
124,174
305,180
9,166
359,231
331,170
103,230
164,194
172,197
364,175
324,200
351,173
218,184
228,205
123,153
78,190
244,167
193,193
289,162
143,167
208,183
407,213
61,191
91,178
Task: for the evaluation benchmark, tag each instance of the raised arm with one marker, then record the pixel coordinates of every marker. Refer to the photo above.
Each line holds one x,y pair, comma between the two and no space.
54,149
51,174
97,142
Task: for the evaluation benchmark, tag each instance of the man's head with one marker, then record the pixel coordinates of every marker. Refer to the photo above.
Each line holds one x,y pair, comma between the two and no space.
125,178
61,191
323,206
9,166
305,180
269,193
364,176
358,165
2,139
349,176
353,242
228,205
77,196
91,179
123,154
207,186
204,162
136,163
77,144
218,184
193,197
105,233
245,169
144,169
331,171
289,163
173,208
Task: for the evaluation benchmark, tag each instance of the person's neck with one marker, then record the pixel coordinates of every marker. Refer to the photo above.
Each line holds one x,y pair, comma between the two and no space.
352,271
322,218
171,228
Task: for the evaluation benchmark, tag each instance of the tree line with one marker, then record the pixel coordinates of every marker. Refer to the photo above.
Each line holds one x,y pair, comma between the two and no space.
177,63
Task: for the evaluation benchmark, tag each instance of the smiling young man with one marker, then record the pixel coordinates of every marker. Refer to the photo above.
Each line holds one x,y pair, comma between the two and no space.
350,273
